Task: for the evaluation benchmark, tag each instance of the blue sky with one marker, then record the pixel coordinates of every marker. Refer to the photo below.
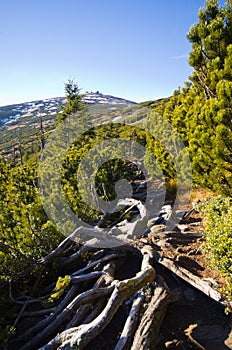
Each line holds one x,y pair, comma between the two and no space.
132,49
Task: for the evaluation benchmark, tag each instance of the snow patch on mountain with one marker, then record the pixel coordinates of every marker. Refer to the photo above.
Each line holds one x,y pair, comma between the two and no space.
51,106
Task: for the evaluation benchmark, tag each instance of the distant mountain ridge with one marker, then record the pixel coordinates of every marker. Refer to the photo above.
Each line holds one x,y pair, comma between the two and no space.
51,106
20,124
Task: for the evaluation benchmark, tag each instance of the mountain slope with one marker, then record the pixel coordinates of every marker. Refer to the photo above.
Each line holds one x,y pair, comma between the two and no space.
51,106
20,123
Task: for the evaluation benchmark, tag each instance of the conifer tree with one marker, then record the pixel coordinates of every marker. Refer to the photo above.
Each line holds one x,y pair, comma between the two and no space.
210,39
202,111
210,125
74,100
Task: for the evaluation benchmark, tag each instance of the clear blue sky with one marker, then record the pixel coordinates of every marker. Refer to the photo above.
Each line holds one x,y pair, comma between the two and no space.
132,49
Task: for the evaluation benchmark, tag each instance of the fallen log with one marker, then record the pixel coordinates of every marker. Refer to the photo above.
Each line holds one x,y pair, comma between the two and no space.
194,280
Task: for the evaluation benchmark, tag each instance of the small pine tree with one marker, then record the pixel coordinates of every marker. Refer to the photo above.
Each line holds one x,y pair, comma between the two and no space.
74,100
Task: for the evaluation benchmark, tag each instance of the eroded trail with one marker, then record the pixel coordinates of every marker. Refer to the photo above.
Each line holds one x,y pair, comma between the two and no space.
151,293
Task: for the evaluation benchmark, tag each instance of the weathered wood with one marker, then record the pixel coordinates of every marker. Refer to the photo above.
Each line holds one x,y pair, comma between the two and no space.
67,260
96,308
194,280
20,314
39,312
87,277
78,319
78,316
134,229
82,335
83,298
97,262
59,249
105,277
43,323
84,312
129,329
147,334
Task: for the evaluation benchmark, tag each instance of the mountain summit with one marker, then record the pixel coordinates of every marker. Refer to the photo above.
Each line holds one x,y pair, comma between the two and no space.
51,106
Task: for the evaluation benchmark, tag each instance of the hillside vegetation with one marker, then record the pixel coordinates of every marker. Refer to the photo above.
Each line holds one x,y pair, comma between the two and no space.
201,112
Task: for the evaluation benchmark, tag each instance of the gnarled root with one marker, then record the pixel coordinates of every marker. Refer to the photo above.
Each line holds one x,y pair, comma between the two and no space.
93,296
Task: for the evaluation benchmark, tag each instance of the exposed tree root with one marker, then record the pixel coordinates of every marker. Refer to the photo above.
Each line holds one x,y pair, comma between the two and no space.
129,329
147,334
83,334
194,280
86,307
95,285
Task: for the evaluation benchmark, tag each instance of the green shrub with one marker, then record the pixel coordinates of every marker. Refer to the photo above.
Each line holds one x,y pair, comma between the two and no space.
218,236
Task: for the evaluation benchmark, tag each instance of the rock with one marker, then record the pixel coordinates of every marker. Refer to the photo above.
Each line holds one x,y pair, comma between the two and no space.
228,341
210,337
